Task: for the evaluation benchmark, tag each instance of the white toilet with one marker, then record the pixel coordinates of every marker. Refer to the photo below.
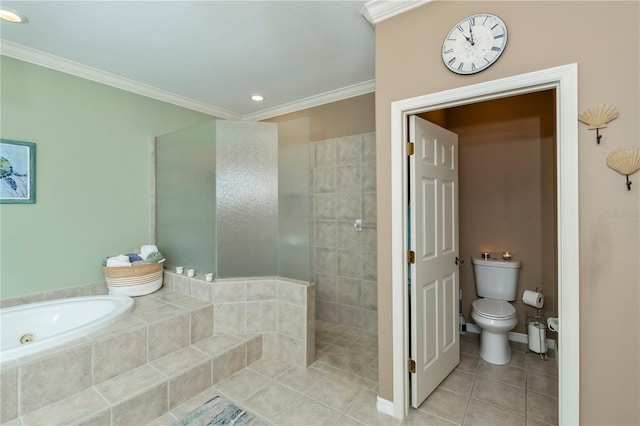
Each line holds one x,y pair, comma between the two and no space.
496,284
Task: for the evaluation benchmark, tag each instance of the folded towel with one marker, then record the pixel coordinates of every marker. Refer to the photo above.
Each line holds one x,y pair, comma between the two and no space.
133,257
120,260
145,251
154,258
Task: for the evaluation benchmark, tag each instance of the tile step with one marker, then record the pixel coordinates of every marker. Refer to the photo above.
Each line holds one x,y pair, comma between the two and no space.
145,393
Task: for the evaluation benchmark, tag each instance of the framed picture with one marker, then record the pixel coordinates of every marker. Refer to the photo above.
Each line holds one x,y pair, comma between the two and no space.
17,172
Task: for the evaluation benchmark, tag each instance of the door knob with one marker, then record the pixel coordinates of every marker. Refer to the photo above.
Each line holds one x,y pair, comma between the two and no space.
459,261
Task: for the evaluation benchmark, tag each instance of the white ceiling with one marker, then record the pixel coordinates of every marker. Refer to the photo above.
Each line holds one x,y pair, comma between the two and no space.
206,55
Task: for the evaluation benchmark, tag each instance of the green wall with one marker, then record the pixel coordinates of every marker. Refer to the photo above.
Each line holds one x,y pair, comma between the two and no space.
93,166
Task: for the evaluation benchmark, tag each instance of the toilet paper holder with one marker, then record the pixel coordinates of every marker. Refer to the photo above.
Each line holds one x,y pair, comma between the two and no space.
537,336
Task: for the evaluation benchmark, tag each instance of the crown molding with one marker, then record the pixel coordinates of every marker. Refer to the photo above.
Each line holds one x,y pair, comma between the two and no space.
313,101
37,57
376,11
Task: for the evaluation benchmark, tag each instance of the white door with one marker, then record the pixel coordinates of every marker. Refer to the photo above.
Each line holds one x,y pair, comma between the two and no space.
433,182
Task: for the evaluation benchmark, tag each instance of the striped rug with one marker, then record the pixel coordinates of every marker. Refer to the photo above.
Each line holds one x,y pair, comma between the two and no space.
218,411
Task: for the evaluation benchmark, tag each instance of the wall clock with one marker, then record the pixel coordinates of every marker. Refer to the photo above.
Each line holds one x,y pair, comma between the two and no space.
474,43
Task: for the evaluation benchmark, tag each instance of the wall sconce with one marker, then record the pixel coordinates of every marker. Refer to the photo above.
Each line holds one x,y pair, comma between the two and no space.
625,160
597,117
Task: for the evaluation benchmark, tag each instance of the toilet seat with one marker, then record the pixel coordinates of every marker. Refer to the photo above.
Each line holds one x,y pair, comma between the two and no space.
494,309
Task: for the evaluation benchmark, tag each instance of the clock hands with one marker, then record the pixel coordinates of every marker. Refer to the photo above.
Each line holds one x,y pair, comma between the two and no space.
470,40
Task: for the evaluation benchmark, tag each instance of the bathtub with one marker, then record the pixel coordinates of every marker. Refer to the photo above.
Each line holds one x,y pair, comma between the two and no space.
27,329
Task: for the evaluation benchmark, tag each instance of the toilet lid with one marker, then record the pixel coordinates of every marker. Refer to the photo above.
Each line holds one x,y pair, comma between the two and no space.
491,308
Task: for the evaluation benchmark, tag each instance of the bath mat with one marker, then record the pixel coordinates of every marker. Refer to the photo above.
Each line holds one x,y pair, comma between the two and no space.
218,411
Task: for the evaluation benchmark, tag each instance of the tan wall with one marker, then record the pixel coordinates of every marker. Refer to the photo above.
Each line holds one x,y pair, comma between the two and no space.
337,119
541,35
507,189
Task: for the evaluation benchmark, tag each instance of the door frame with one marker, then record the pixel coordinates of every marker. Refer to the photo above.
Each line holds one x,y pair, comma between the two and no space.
564,79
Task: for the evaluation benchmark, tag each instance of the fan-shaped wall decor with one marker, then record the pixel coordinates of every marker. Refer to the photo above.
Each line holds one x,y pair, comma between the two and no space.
597,117
625,160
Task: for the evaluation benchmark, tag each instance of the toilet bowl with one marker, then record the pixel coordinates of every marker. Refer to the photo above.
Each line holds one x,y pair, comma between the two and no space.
496,285
495,319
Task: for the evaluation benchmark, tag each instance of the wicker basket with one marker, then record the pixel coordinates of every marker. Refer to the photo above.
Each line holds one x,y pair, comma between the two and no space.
134,280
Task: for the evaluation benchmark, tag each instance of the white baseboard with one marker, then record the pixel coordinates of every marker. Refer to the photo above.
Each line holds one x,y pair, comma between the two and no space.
514,337
384,406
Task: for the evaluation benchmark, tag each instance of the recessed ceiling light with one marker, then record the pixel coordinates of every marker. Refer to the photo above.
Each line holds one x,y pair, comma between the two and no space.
13,16
257,98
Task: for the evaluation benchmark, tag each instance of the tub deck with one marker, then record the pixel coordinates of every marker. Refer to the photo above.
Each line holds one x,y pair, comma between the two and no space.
171,347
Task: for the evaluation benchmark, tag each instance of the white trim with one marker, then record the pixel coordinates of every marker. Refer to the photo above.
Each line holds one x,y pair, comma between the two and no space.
565,80
37,57
384,406
512,336
378,10
313,101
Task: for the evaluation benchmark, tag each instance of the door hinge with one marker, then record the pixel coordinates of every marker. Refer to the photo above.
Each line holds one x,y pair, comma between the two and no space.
412,366
410,148
411,257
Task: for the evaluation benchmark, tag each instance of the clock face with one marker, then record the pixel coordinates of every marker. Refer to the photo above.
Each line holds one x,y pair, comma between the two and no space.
474,43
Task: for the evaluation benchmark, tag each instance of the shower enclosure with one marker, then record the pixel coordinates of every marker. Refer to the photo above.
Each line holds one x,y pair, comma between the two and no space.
233,198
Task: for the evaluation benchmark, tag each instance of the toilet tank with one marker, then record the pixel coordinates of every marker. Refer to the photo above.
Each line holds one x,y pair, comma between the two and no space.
496,278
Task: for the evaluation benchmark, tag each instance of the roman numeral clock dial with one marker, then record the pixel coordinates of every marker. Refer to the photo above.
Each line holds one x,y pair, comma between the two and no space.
474,43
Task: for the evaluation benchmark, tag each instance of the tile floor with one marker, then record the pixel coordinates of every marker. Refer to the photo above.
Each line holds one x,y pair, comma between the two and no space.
340,388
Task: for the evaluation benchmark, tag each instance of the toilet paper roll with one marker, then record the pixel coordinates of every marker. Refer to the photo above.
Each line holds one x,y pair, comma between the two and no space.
537,337
533,298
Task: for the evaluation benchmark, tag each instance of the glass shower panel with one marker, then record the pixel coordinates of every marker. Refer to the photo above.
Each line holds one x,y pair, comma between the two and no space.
185,197
293,199
247,198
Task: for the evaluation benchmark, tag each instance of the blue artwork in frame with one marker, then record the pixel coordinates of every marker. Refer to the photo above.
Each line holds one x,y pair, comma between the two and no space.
17,172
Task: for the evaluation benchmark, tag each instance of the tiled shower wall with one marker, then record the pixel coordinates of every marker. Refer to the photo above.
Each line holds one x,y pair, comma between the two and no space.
344,190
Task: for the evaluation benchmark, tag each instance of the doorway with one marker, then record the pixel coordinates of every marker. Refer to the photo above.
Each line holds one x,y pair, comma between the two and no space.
564,80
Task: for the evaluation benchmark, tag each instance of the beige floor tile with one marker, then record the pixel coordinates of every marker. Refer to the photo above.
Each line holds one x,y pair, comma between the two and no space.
501,395
270,367
189,383
350,366
469,346
122,387
243,384
520,347
169,296
217,345
459,381
446,404
480,413
272,401
309,413
185,408
164,420
177,361
469,363
542,408
541,366
357,380
73,409
335,350
543,385
503,373
518,359
531,422
370,341
301,379
335,392
364,410
342,421
422,418
143,408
